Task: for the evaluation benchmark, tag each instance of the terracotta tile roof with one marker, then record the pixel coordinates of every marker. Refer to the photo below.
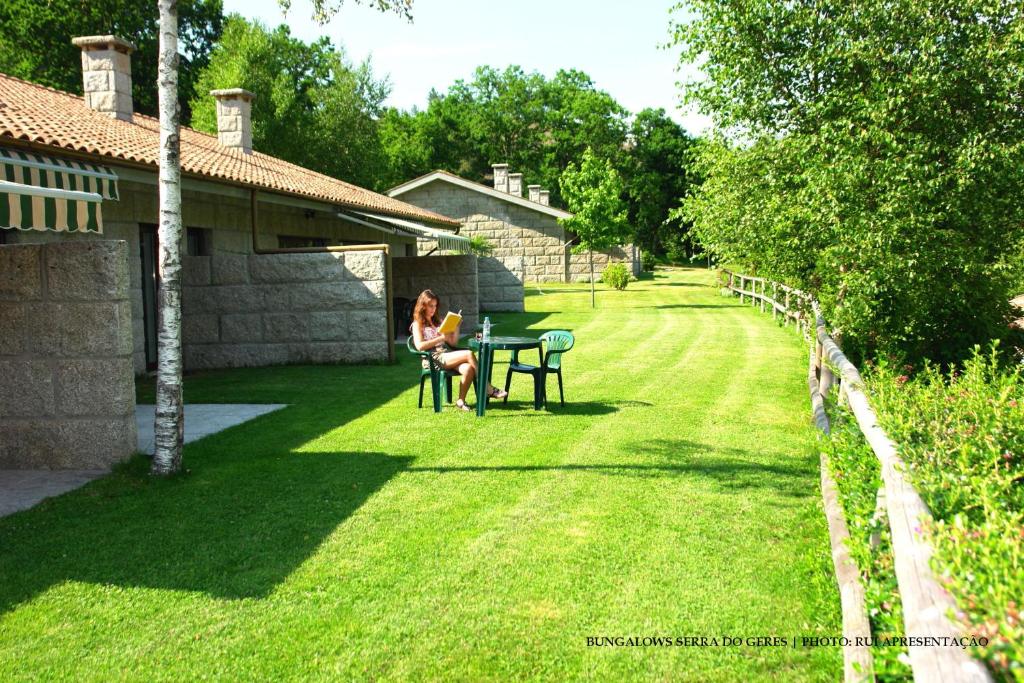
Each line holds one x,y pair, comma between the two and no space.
42,115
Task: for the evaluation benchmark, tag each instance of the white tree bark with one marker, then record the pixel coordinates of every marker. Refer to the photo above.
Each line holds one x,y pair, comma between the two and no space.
169,426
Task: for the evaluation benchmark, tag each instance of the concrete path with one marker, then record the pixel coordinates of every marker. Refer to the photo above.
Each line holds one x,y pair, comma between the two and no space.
201,419
21,489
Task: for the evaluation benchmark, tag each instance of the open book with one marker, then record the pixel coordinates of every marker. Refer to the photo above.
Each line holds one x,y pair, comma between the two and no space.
450,322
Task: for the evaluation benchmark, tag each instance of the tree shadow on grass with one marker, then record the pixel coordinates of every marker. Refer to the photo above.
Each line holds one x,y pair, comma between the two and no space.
232,530
665,306
250,510
521,405
730,470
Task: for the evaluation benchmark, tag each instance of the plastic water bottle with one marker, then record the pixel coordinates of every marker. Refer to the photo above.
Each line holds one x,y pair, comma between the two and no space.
487,330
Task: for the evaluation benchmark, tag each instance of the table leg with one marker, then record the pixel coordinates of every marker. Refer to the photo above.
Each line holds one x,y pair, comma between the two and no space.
482,381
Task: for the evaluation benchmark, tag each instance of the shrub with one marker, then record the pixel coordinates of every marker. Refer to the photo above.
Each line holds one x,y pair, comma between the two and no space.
480,246
647,261
615,275
962,436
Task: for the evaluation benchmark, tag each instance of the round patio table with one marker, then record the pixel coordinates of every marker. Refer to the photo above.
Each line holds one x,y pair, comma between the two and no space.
486,361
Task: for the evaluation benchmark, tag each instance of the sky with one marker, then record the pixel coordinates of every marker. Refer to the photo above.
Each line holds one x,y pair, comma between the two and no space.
617,45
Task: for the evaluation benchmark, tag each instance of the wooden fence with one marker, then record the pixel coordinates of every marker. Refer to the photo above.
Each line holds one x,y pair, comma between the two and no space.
926,604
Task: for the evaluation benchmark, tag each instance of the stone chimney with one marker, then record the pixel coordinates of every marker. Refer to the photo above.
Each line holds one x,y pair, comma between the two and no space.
515,184
544,197
107,74
534,192
501,177
234,118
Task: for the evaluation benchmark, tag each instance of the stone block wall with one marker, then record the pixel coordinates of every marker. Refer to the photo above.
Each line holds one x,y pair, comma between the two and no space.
452,278
227,218
579,264
67,394
501,283
513,230
517,231
272,309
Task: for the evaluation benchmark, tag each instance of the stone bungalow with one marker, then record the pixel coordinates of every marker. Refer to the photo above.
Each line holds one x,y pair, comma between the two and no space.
527,237
282,264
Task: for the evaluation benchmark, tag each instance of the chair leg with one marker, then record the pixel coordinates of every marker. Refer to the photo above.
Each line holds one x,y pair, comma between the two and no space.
561,394
448,387
435,390
508,382
423,380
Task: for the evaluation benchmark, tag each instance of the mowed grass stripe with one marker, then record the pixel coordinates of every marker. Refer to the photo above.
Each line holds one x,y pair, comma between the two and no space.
471,549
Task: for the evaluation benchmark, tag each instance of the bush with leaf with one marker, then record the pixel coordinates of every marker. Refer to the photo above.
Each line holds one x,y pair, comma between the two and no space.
961,434
616,275
877,163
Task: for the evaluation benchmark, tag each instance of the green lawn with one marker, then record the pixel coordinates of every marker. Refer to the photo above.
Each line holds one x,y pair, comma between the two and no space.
353,536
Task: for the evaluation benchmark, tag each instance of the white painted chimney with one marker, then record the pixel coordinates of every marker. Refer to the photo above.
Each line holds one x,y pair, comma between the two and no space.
515,184
533,192
501,177
544,197
107,74
234,118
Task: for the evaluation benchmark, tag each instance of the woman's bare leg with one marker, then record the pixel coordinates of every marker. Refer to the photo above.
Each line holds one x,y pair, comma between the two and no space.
468,372
465,363
453,359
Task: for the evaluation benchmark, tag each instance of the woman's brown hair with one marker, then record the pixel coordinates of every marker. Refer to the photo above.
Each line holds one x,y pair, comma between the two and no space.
419,313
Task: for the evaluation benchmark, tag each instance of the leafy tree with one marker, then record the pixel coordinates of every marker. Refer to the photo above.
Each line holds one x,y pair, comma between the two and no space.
536,125
35,42
593,192
311,106
659,173
871,152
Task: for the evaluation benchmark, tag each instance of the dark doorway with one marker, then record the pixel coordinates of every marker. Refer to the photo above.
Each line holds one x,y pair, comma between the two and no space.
150,286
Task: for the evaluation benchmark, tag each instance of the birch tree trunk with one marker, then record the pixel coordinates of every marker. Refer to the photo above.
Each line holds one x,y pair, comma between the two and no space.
169,427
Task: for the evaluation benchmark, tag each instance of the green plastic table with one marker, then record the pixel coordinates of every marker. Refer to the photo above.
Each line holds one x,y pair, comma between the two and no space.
485,357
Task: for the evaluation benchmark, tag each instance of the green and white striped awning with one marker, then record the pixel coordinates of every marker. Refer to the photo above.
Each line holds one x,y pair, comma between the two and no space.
40,192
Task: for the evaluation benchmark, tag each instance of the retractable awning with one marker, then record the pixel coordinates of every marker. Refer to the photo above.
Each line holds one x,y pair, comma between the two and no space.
445,240
39,192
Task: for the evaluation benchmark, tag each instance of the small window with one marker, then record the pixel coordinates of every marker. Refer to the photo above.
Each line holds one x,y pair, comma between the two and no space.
296,242
4,236
197,241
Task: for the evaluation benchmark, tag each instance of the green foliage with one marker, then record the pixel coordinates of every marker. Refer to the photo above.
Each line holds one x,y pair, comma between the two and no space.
857,474
312,107
616,275
875,162
962,437
323,10
35,42
647,261
658,172
481,246
593,193
536,125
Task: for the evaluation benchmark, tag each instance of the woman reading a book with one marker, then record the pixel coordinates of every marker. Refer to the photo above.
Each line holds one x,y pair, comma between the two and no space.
428,337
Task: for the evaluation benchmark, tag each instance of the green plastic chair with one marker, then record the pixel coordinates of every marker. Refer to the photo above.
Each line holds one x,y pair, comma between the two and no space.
558,342
427,372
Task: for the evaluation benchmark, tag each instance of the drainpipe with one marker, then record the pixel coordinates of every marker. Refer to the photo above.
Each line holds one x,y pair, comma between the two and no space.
388,288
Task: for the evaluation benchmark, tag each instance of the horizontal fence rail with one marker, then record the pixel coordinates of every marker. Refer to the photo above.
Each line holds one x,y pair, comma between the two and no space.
926,604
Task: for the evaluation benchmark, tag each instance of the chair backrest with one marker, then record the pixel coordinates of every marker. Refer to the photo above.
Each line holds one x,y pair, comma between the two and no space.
410,344
558,342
